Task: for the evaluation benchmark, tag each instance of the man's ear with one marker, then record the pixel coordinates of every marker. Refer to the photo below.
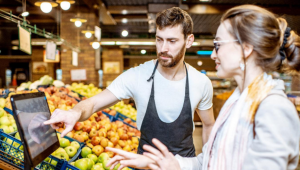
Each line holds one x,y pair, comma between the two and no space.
190,40
248,49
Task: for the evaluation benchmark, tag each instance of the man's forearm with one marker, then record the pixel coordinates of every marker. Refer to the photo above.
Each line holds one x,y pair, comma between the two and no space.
91,105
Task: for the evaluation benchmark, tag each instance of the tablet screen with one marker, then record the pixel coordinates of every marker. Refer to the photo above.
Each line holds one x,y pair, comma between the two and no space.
31,114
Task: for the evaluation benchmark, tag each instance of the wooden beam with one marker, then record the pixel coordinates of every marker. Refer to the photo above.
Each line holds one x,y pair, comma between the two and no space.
128,9
155,8
105,16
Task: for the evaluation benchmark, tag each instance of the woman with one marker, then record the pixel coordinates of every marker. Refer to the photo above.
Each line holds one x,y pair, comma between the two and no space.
258,127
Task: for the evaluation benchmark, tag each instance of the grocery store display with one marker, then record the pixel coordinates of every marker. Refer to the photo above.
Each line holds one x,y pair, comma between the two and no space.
125,109
85,90
7,122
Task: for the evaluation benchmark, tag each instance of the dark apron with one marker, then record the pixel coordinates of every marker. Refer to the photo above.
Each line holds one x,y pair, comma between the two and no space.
177,135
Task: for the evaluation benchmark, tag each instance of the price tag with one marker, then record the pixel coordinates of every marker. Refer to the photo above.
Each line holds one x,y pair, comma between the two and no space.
78,74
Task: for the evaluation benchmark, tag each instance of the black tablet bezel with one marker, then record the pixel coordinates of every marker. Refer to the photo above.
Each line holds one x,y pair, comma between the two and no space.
43,155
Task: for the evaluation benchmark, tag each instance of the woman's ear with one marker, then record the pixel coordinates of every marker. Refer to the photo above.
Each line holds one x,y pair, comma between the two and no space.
190,40
248,49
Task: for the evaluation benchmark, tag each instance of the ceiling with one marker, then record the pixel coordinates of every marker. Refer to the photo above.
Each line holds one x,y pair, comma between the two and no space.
206,16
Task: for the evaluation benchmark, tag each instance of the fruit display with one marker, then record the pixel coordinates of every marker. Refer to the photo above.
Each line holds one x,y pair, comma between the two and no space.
57,99
125,109
90,161
85,90
7,102
67,149
98,132
7,122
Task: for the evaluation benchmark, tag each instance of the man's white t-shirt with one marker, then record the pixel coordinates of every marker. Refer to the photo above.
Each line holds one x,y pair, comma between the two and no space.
168,95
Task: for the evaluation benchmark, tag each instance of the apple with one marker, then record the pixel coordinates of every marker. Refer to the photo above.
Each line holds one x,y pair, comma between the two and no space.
110,144
127,148
87,122
87,128
98,119
93,157
95,140
97,150
111,134
60,130
118,147
85,151
135,140
59,150
107,126
85,136
117,166
81,164
70,134
110,154
119,123
1,111
93,133
121,143
79,132
114,141
4,121
15,128
5,128
64,142
62,155
90,162
90,145
78,126
124,137
120,132
53,162
102,133
102,157
79,138
97,167
71,150
75,144
72,163
104,142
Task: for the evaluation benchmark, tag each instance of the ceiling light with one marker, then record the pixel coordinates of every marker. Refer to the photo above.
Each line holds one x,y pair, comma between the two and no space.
95,45
78,23
205,0
15,47
143,51
124,20
65,4
46,5
124,12
124,33
199,63
88,32
25,14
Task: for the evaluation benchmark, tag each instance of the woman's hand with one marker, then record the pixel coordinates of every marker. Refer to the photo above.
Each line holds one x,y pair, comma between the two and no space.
128,159
164,160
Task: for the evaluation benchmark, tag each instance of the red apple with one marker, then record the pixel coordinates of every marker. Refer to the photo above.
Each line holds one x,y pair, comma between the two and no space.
78,126
87,128
95,140
93,133
104,142
114,141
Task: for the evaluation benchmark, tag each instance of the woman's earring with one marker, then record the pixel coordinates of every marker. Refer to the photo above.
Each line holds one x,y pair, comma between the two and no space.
242,66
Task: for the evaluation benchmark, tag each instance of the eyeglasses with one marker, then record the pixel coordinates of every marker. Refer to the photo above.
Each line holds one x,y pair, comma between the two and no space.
217,46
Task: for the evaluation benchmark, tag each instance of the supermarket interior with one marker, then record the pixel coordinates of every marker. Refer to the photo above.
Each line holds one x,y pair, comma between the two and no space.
68,51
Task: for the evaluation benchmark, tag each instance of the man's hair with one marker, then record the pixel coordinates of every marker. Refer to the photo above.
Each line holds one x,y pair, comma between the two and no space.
173,17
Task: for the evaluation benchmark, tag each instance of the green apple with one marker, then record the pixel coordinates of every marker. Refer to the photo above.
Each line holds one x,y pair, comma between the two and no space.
81,164
71,150
92,157
17,135
72,163
102,157
86,151
90,163
5,128
11,129
62,155
53,162
4,121
64,142
104,163
14,127
75,144
117,166
47,159
97,167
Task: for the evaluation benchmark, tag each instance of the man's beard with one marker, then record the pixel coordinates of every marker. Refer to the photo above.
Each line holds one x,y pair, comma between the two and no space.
174,60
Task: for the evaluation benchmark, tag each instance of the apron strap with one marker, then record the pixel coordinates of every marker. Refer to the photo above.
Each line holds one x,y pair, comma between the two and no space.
152,76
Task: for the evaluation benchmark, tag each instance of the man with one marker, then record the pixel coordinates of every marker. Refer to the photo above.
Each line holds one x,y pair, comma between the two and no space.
166,91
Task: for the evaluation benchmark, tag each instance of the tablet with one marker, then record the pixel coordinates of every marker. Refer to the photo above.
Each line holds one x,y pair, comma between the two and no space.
30,111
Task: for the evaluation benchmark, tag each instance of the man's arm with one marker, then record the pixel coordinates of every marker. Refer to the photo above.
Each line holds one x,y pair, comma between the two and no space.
98,102
208,121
